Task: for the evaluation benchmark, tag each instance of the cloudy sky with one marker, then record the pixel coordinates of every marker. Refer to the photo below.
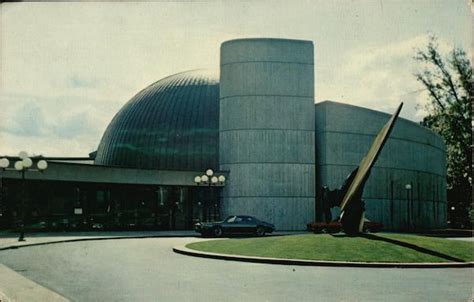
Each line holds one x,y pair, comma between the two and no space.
67,68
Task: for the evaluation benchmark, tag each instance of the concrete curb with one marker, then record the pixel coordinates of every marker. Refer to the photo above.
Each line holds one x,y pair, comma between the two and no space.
189,252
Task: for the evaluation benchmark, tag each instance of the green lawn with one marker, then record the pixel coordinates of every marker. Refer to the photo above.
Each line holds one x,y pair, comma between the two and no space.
342,248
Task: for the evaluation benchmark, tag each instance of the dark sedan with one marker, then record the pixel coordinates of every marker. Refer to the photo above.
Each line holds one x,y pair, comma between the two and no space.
243,225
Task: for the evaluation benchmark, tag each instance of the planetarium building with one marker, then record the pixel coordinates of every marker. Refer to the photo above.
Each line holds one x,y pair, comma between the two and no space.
247,139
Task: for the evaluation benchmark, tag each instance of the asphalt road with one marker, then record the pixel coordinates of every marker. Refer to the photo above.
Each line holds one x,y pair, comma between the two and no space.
148,270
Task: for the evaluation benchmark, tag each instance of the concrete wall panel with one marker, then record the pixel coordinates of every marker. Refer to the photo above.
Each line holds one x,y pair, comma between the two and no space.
270,180
283,146
244,112
266,78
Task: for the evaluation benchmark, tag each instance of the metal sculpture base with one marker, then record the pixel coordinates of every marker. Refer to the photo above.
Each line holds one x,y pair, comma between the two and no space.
352,219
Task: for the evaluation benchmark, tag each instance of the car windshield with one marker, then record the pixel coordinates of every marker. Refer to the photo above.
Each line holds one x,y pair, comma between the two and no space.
230,219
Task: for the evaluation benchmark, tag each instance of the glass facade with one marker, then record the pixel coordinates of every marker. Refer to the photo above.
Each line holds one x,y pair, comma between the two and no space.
73,206
170,125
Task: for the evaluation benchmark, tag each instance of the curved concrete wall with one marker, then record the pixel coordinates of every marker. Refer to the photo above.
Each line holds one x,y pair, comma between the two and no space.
266,130
412,155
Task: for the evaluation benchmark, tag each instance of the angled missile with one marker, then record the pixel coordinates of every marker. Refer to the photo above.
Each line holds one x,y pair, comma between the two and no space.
352,208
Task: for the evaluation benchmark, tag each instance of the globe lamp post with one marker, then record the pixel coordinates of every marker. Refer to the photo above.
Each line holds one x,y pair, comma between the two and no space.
24,164
210,179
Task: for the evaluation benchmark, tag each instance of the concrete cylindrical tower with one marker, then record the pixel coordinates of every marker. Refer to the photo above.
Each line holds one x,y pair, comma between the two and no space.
266,130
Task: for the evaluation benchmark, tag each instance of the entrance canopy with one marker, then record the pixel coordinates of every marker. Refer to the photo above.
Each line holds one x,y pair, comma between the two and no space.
81,172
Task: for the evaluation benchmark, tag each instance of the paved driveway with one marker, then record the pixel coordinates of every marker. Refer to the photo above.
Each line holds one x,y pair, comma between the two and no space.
148,270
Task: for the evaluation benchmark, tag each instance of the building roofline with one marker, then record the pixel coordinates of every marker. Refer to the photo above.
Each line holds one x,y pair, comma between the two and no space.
381,112
267,39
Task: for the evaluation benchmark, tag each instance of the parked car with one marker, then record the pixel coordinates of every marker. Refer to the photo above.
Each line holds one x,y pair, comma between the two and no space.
336,227
235,224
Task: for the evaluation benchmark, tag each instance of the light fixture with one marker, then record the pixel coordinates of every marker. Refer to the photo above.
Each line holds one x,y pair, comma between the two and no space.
4,163
209,178
22,154
408,186
19,165
27,162
42,165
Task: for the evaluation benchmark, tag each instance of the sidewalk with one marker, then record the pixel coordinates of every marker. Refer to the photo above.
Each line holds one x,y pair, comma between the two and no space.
10,240
15,287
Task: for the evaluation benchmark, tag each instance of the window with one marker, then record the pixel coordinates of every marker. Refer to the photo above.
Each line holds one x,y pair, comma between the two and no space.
231,219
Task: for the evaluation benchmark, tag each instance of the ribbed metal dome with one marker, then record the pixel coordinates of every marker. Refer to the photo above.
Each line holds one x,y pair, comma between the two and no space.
171,124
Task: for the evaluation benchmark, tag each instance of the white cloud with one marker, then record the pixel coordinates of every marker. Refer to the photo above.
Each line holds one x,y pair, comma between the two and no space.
380,77
25,121
47,146
53,126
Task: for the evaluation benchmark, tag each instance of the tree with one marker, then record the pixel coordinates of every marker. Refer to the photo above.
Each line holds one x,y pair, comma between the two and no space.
448,81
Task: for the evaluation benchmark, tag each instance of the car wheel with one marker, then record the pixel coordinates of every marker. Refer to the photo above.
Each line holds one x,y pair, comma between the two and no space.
260,231
217,232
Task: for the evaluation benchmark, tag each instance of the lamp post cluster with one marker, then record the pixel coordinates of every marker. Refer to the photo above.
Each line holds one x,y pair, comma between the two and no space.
210,179
25,163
